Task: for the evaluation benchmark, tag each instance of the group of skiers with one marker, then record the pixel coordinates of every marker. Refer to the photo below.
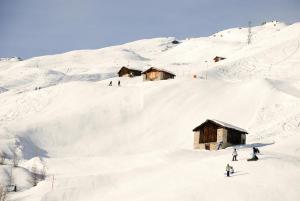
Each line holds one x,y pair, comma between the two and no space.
230,170
111,83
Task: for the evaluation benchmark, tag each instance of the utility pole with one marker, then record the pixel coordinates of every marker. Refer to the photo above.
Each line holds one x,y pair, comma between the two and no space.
249,33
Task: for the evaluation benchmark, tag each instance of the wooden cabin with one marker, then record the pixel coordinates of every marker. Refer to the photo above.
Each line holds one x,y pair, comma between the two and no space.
129,72
214,135
175,42
157,74
217,58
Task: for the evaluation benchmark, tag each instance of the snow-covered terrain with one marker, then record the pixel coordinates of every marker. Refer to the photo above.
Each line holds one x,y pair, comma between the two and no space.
135,142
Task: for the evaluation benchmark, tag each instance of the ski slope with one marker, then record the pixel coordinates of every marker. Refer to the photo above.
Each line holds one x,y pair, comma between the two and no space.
135,142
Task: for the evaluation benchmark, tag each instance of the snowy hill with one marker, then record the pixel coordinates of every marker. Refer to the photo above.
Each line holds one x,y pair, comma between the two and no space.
135,142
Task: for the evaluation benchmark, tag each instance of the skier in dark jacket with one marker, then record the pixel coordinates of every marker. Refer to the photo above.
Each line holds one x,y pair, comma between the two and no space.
220,145
110,83
255,150
254,158
119,83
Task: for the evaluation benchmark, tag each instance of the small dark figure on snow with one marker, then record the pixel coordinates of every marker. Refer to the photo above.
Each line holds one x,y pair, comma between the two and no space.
255,150
15,188
110,83
220,145
229,169
234,155
119,83
254,158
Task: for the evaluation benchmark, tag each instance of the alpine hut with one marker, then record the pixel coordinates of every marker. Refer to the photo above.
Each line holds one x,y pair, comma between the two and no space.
217,58
214,135
129,72
157,74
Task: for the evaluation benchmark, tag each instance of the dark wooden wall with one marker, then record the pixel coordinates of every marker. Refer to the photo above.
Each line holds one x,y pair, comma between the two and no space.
123,71
167,76
130,72
234,137
208,133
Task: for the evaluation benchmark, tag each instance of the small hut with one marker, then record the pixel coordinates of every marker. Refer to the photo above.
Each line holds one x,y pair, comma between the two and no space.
129,72
217,58
214,135
157,74
175,42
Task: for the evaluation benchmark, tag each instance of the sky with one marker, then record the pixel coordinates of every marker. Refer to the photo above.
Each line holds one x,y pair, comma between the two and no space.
30,28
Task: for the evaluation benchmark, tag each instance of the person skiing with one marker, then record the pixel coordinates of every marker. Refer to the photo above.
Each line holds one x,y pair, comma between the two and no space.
254,157
231,170
110,83
228,169
220,145
234,155
255,150
119,83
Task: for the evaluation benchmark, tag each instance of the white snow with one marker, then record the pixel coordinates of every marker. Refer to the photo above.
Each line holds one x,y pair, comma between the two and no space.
135,142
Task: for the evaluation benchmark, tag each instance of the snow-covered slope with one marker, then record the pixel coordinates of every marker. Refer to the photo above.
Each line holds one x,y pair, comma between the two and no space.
134,142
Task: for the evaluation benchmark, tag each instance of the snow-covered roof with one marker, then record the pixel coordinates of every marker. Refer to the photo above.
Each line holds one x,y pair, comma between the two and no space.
158,69
223,124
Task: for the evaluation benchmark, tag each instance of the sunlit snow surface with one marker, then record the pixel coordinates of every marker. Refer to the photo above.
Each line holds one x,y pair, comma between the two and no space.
135,142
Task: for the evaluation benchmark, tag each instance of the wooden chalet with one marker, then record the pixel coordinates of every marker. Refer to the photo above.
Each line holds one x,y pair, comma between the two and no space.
129,72
157,74
217,58
214,135
175,42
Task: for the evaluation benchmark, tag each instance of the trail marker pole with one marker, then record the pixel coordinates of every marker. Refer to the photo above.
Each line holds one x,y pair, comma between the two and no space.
249,33
52,182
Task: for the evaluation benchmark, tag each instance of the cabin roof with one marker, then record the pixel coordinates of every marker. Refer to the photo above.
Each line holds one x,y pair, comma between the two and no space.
158,69
133,69
220,57
221,124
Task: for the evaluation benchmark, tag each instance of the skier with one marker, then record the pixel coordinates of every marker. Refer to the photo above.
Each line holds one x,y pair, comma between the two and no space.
234,155
255,150
254,158
220,145
110,83
119,83
228,169
231,170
